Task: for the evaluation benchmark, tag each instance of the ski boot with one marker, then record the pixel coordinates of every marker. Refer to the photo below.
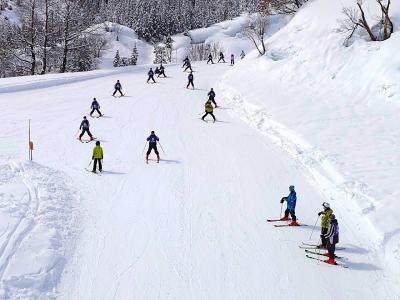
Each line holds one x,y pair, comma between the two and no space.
330,261
294,223
158,158
285,218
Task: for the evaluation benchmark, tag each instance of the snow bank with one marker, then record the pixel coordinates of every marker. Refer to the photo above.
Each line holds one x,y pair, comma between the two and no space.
123,39
36,225
335,109
227,34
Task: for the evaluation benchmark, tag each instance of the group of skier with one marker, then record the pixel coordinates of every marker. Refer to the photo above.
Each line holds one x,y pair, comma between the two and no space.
329,225
152,140
222,58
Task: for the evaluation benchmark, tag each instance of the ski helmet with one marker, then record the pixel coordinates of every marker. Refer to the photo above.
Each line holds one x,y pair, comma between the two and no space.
84,117
291,188
152,132
98,143
326,205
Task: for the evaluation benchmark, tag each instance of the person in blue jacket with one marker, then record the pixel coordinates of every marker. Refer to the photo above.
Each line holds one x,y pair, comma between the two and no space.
118,88
153,139
95,107
211,96
291,206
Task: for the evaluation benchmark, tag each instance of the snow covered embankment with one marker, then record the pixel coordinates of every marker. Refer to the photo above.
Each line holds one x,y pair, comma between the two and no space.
36,224
334,109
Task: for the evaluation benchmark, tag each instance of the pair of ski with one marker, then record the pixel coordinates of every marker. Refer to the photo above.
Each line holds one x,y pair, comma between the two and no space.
86,141
284,225
308,247
314,246
95,173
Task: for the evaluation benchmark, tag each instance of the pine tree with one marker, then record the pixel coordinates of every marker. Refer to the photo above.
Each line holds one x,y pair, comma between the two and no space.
134,56
117,60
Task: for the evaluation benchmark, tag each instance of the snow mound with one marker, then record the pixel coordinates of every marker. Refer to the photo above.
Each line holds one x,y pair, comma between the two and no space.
228,34
36,224
335,109
123,39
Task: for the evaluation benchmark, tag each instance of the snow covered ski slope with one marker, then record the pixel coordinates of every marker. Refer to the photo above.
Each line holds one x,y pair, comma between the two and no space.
192,227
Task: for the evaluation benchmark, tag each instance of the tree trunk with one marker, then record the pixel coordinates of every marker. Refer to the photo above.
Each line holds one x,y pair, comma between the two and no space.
33,38
365,23
46,33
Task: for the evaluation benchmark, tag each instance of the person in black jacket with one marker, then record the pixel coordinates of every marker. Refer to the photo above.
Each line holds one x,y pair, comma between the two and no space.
161,71
221,57
211,97
151,75
118,88
210,59
190,80
188,66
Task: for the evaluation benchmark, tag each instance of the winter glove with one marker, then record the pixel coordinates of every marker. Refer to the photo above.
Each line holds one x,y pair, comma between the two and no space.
321,236
283,199
320,213
92,157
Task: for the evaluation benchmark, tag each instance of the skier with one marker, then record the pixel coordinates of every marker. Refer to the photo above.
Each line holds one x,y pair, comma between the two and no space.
85,128
291,206
209,110
325,222
188,66
95,107
185,61
157,71
221,57
190,79
118,88
153,139
232,59
242,55
97,156
161,71
211,97
151,75
210,59
332,238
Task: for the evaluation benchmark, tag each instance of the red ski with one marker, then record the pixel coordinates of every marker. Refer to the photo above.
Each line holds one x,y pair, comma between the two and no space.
321,260
277,220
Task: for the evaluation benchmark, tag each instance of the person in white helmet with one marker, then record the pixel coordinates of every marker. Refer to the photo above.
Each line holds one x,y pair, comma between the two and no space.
325,223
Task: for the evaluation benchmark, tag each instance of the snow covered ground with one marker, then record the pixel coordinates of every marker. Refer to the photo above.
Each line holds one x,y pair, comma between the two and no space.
311,113
335,110
193,226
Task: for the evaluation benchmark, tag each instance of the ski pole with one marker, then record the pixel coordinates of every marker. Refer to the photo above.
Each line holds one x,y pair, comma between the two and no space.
161,147
280,215
144,147
315,225
90,163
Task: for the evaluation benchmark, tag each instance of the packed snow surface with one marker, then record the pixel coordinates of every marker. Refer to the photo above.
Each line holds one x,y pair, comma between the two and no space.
311,113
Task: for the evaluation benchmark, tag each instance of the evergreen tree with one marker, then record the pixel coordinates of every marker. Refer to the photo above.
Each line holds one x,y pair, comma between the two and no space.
117,60
134,56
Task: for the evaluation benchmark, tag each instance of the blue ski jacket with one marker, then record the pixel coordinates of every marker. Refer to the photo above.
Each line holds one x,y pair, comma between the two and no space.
291,201
95,104
118,86
153,139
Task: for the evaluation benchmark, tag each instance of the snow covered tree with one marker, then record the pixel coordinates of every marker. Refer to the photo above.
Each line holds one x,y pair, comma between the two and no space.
168,41
159,55
117,60
255,30
134,56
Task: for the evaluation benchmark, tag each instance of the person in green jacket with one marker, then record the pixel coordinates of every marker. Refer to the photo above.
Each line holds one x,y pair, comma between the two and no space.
325,222
209,110
97,157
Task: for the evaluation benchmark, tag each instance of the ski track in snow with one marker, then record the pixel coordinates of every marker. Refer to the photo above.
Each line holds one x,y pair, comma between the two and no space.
36,211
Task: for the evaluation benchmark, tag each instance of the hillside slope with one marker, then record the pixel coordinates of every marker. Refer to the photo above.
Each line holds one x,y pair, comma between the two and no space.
334,109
